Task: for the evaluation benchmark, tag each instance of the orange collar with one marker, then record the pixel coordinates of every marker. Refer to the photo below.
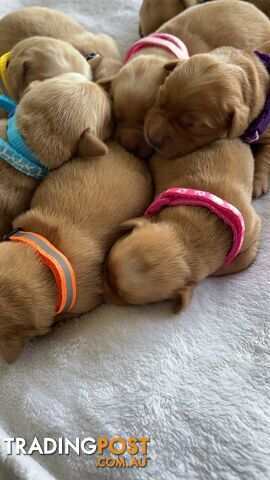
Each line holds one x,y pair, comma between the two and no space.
57,262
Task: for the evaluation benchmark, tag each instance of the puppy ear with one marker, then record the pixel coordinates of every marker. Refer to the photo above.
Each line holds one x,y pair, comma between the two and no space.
89,145
239,119
170,66
133,223
17,75
11,347
106,83
94,59
183,299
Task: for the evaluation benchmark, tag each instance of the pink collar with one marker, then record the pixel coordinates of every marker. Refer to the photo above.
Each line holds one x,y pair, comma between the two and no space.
162,40
187,196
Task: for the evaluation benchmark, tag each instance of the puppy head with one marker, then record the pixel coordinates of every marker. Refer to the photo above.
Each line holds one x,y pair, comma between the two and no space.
24,313
148,265
63,117
133,91
40,58
154,13
203,99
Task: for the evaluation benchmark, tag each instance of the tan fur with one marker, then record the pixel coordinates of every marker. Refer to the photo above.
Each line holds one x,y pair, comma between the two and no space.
135,87
40,21
78,208
166,256
53,123
40,58
211,96
154,13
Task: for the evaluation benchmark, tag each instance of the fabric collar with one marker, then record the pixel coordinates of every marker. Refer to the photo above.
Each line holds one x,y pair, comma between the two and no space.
224,210
260,124
162,40
57,262
3,74
17,153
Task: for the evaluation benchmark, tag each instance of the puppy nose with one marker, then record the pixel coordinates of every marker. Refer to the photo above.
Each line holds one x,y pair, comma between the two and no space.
135,143
155,135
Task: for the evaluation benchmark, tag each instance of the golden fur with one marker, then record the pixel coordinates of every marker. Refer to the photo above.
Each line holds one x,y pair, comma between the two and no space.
211,96
40,21
53,123
154,13
40,58
166,256
78,208
135,87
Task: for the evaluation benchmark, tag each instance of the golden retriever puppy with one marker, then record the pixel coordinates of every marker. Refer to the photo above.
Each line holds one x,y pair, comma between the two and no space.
166,255
78,208
40,58
213,96
40,21
57,119
135,87
153,13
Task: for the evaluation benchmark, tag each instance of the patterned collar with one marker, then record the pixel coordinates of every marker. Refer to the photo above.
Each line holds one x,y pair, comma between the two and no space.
228,213
16,152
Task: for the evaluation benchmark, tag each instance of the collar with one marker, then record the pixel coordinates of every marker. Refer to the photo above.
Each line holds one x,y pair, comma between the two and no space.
225,211
260,124
17,153
3,74
57,262
162,40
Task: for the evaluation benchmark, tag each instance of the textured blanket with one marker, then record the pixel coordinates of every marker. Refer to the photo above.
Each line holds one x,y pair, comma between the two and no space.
197,383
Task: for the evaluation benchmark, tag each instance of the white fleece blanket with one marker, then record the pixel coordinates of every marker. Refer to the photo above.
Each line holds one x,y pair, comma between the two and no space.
197,384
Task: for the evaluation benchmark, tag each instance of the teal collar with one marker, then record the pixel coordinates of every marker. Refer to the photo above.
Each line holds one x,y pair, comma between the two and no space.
17,153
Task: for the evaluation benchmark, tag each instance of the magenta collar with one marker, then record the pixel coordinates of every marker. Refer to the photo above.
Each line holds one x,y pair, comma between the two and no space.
187,196
162,40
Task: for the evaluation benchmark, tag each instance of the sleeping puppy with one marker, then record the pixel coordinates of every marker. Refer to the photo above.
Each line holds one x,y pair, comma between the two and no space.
135,87
211,96
58,119
153,13
41,21
40,58
78,208
166,256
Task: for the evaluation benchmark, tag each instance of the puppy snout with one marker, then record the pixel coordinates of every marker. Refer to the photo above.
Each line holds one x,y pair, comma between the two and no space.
133,140
154,134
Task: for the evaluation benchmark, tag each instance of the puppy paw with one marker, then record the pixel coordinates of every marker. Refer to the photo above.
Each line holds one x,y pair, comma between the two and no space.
260,184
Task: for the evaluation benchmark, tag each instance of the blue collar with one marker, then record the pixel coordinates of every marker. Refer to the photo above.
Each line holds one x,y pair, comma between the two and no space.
17,153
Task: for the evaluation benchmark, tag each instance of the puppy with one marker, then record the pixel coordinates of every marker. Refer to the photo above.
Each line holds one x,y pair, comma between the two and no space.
39,58
153,13
58,119
166,256
135,87
40,21
78,208
212,96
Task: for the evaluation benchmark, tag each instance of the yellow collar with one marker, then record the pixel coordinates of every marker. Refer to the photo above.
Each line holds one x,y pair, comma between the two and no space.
3,74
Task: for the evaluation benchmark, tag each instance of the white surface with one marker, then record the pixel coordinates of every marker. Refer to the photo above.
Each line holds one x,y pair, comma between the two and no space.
197,384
